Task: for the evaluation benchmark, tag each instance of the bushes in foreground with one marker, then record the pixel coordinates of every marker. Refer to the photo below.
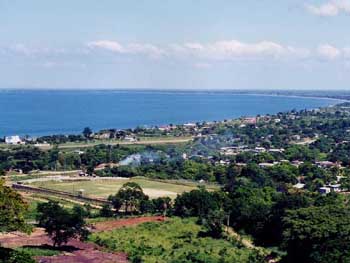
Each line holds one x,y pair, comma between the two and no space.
12,256
176,240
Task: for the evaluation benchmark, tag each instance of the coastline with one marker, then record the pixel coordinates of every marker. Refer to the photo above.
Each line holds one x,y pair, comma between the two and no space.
267,93
331,103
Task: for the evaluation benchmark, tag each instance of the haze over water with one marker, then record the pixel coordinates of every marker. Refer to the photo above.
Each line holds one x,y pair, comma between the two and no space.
66,112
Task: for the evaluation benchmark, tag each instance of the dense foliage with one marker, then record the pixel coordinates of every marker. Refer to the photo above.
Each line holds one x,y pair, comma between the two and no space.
318,234
12,218
12,210
61,224
12,256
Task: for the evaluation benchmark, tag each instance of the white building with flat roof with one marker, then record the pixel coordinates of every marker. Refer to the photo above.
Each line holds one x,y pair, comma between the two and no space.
13,140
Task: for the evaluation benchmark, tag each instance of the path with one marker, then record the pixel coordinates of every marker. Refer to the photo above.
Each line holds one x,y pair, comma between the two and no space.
246,242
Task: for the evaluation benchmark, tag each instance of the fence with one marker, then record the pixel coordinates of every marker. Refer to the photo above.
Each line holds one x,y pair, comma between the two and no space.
26,188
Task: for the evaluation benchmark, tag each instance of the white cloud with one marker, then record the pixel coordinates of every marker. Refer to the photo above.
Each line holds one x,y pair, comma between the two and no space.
199,54
133,48
147,49
330,8
106,44
234,49
220,50
329,52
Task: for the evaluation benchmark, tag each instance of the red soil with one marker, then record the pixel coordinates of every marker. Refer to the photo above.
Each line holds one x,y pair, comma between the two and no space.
85,253
82,252
114,224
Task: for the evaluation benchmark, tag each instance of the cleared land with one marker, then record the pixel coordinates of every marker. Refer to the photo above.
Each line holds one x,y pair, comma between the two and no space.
102,188
75,251
77,145
143,141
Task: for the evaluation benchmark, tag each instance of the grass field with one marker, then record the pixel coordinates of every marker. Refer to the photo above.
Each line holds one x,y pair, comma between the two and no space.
142,141
175,240
78,145
102,188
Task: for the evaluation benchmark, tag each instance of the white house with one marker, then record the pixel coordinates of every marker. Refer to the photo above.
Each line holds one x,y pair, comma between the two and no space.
324,190
190,125
299,186
335,187
268,164
130,139
13,140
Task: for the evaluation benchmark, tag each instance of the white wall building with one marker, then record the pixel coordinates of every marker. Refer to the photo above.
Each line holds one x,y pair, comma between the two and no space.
13,140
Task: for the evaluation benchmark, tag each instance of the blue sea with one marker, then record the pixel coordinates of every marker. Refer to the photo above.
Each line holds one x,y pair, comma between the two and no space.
38,113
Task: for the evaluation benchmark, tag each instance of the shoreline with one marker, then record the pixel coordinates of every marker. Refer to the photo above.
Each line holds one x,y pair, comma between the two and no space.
266,93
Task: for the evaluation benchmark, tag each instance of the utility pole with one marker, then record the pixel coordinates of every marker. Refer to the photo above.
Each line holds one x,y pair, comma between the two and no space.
228,223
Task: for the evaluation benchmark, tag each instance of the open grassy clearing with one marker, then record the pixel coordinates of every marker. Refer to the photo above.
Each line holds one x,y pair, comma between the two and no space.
142,141
175,240
34,200
77,145
102,188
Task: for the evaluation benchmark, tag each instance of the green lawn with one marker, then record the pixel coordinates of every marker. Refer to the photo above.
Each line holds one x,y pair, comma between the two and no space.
176,240
104,188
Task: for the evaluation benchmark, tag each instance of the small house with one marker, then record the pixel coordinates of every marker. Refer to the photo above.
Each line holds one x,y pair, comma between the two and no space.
13,140
324,190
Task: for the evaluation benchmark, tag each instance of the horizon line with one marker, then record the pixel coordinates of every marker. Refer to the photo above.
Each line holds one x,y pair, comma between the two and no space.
174,89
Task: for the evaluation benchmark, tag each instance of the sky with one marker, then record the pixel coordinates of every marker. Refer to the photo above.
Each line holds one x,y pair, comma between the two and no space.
175,44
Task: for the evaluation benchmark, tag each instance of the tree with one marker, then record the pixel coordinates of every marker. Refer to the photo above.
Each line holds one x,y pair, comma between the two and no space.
345,183
197,203
90,170
162,204
318,234
131,195
271,234
61,224
2,171
87,132
12,218
147,206
12,210
116,202
214,222
106,211
251,207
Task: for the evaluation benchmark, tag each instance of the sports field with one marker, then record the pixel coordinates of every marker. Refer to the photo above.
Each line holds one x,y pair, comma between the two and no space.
102,188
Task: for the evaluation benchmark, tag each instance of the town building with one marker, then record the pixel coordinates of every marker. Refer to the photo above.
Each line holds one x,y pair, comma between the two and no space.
13,140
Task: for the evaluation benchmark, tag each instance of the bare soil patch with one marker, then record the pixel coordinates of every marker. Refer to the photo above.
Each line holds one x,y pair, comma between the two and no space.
85,253
75,250
114,224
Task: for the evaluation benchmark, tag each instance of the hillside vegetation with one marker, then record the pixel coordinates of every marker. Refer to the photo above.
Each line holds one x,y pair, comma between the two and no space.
176,240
